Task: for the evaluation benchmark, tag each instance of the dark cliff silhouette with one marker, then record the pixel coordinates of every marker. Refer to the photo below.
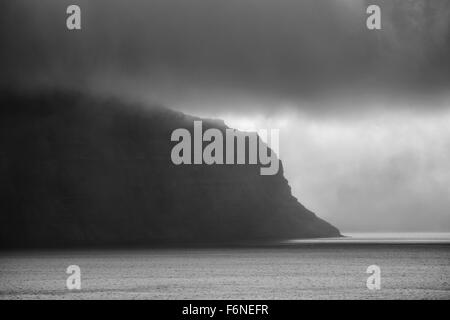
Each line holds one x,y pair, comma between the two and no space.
82,171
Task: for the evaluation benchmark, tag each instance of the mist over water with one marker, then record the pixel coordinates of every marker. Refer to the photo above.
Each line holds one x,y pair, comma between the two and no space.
379,238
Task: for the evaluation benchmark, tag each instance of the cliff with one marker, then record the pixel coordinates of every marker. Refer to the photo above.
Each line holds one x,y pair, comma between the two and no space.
82,171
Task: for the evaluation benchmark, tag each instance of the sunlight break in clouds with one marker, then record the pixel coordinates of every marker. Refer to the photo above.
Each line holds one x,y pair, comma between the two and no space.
385,172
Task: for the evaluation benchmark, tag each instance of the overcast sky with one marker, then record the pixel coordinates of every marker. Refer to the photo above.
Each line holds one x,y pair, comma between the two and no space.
364,115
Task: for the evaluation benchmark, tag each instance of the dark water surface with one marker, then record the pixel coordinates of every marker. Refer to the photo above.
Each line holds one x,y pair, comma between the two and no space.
294,270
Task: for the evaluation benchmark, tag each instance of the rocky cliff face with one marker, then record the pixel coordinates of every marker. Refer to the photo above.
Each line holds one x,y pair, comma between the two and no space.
79,171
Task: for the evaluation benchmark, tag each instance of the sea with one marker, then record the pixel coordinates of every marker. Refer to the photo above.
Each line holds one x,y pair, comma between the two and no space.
410,266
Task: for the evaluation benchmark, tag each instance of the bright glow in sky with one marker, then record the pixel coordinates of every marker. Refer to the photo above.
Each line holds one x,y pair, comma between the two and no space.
389,172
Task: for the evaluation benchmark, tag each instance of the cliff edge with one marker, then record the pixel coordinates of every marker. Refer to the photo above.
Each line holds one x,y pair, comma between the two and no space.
82,171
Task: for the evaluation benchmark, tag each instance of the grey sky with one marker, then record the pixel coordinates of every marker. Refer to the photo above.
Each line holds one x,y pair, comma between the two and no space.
365,113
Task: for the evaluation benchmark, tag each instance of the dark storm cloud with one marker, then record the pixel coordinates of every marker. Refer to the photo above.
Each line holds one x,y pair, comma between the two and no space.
368,144
289,49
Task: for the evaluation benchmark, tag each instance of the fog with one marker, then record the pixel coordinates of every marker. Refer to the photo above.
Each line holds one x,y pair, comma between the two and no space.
380,173
364,115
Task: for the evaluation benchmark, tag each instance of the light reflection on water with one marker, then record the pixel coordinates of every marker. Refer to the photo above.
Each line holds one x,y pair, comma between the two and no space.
382,238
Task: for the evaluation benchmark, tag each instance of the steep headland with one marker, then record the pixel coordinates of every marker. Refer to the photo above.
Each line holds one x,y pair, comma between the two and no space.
82,171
